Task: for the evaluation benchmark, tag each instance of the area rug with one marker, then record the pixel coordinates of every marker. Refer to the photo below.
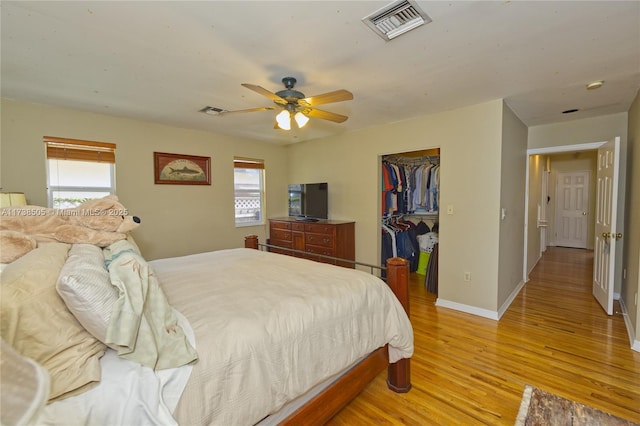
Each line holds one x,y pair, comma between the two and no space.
543,408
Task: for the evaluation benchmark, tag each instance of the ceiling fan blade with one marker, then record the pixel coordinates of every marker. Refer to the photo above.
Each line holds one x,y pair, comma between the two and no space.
326,98
264,92
325,115
248,110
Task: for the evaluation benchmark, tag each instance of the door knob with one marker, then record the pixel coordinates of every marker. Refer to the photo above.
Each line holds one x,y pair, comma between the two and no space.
584,213
606,234
618,236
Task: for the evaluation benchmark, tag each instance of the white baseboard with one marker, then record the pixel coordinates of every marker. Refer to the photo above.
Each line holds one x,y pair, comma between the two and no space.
510,299
486,313
635,344
533,266
467,308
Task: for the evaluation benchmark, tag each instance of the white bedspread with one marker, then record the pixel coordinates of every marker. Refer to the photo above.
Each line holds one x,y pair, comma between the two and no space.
269,327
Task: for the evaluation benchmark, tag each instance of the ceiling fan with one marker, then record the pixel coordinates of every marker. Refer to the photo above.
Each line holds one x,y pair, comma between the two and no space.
296,106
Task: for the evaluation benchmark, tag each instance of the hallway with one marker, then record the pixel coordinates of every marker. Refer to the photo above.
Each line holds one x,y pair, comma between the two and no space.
471,370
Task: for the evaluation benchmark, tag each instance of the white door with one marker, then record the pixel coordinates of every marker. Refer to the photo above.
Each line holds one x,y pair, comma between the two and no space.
572,206
605,233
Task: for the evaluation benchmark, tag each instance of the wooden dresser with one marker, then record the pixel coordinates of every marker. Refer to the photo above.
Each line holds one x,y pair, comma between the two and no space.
326,237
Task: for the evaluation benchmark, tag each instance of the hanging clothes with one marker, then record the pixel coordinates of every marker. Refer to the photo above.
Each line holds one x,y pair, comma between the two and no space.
431,278
399,239
410,186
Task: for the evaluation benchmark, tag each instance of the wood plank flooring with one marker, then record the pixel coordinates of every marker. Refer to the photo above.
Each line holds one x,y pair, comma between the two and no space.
468,370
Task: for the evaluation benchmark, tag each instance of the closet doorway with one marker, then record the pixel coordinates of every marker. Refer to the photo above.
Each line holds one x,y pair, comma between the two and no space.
410,205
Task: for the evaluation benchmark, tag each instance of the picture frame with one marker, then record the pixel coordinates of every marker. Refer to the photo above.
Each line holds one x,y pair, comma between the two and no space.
180,169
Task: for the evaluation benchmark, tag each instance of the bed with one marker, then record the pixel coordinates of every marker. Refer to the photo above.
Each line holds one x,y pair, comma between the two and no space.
253,337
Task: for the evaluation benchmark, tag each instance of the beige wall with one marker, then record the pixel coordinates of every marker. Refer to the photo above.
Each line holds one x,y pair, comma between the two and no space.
597,129
573,162
512,190
631,285
176,219
470,142
187,219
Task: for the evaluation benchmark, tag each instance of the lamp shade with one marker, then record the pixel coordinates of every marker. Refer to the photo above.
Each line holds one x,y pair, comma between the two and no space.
284,120
301,119
8,199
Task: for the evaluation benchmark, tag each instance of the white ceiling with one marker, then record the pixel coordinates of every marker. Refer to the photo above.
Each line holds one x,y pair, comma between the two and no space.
163,61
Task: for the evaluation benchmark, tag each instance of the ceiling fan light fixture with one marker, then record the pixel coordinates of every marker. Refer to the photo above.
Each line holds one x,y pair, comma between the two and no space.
301,119
284,120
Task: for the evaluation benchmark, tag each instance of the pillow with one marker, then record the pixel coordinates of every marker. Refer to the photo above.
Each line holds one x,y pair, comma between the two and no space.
86,289
36,322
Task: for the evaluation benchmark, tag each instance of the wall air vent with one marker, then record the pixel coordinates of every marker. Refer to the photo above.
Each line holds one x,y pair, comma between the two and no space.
396,18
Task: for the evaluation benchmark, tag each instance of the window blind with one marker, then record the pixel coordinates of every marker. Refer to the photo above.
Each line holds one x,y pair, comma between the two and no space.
245,163
75,149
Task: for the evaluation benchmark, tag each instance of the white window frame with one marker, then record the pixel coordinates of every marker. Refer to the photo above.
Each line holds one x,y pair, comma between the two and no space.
64,149
51,188
251,165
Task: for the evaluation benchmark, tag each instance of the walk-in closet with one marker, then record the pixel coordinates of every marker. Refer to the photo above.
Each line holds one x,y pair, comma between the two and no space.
410,205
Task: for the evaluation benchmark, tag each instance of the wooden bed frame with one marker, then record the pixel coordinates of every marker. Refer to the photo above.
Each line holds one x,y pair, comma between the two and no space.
331,400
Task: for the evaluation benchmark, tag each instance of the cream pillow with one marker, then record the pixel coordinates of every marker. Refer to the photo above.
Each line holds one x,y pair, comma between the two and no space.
86,289
36,322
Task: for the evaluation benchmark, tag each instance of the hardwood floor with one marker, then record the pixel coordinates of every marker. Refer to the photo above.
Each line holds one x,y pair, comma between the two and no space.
468,370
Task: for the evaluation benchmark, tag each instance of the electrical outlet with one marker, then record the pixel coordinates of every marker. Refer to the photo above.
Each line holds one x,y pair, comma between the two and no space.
467,276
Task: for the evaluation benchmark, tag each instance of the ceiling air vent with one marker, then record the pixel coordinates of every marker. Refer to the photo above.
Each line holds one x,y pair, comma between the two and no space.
212,110
396,18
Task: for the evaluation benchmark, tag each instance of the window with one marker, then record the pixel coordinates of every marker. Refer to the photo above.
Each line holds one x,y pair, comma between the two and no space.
248,181
78,170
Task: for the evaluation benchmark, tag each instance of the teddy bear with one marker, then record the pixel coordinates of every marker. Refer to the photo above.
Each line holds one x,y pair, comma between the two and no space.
101,222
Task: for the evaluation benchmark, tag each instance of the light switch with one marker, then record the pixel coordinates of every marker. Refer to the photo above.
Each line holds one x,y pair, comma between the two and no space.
450,209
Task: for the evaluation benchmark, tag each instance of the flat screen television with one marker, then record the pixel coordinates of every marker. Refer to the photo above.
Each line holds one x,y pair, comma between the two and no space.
309,201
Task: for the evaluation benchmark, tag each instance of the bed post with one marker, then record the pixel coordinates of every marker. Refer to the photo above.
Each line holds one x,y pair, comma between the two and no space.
399,373
251,241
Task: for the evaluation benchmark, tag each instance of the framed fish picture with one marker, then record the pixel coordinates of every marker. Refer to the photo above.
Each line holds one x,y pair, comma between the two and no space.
178,169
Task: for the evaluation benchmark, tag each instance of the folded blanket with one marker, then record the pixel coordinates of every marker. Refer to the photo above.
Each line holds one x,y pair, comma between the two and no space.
143,324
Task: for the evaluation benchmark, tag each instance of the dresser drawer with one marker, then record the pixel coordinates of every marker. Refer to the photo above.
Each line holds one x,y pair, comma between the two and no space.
325,251
322,240
297,227
281,243
280,225
319,228
280,234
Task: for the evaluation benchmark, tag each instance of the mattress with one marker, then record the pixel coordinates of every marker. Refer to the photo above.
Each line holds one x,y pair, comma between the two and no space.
270,327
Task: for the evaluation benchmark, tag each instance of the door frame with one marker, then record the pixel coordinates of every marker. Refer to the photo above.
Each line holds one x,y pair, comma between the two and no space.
548,150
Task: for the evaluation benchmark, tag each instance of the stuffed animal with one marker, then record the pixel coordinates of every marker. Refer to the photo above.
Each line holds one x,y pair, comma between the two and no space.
100,222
